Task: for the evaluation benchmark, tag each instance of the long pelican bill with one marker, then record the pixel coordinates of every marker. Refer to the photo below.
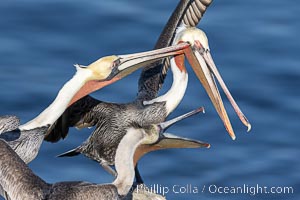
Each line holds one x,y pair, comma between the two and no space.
167,140
126,64
170,141
110,69
167,124
205,69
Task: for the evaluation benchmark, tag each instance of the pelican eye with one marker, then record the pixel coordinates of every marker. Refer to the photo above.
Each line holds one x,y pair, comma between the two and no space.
200,49
116,63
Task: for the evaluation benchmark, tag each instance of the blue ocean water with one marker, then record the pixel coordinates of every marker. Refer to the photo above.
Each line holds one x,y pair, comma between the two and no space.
255,45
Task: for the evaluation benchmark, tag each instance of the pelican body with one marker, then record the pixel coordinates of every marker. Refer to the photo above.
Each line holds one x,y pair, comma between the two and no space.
22,184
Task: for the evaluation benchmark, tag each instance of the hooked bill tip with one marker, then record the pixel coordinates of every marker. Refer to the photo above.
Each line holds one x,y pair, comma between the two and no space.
201,109
249,127
207,145
230,132
233,137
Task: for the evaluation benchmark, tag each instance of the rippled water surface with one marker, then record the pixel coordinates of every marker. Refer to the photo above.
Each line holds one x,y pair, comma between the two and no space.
255,45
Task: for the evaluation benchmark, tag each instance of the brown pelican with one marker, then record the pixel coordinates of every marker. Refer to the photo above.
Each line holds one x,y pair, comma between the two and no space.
26,139
112,119
21,183
187,14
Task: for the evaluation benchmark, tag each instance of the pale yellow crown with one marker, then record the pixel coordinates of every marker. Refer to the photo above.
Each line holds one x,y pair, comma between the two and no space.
102,67
190,35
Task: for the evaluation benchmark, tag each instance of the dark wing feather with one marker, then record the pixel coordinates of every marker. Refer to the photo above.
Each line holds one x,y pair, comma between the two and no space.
152,78
79,115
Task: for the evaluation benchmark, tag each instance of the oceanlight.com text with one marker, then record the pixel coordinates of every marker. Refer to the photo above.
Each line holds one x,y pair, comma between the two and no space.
248,189
215,189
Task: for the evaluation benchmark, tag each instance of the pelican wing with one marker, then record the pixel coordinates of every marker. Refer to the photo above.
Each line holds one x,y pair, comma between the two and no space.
79,115
16,177
189,12
9,123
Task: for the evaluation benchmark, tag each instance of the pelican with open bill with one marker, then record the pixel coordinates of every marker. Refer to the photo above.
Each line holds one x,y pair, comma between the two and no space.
205,69
21,183
169,141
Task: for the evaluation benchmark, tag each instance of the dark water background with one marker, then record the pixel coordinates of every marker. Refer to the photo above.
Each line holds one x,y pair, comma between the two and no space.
255,44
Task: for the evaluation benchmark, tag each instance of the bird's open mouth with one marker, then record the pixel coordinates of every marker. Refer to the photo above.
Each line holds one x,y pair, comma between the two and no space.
205,69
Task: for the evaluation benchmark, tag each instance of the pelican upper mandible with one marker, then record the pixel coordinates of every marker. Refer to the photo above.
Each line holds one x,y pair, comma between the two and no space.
21,183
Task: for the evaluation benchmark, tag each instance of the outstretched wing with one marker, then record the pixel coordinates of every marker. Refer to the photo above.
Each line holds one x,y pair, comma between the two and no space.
189,12
79,115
